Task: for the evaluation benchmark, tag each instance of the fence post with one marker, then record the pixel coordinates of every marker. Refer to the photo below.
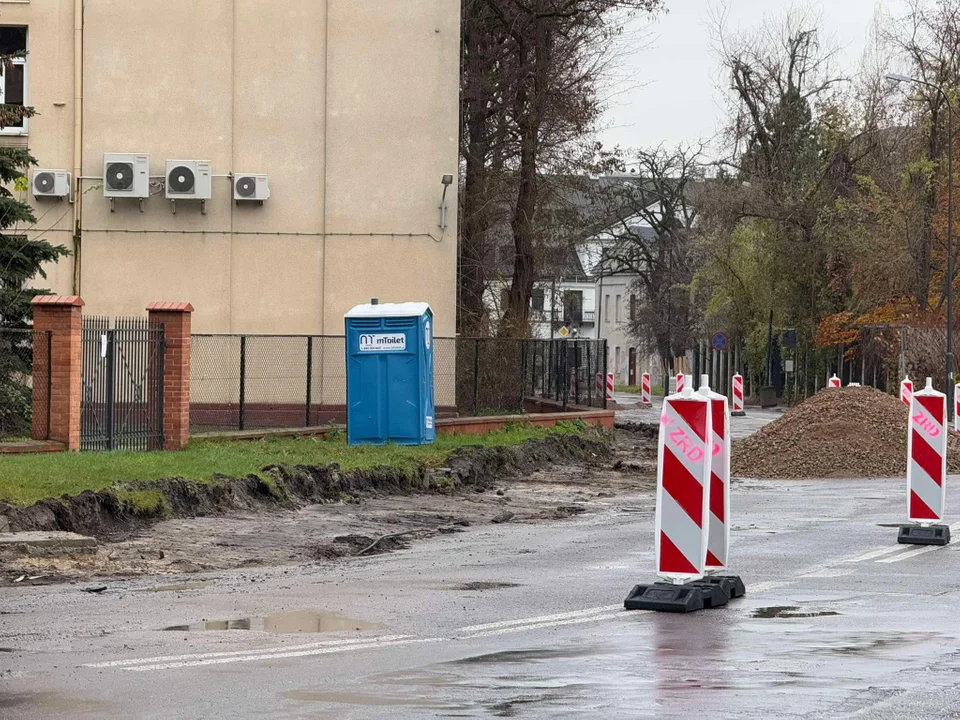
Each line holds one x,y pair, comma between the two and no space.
61,316
476,371
606,359
564,375
243,380
174,351
591,380
111,399
309,377
523,371
533,372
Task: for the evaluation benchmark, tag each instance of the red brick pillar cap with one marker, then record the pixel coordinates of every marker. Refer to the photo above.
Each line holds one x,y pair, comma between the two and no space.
182,307
61,300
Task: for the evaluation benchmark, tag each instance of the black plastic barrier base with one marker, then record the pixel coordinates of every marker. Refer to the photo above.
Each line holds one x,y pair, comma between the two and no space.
738,413
929,535
714,594
732,585
664,597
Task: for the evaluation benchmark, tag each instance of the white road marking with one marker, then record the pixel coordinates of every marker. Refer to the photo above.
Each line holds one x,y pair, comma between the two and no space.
280,655
768,585
880,552
537,620
921,550
557,623
232,653
910,554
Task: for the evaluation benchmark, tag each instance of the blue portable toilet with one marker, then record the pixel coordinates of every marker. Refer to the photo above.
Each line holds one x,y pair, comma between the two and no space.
390,374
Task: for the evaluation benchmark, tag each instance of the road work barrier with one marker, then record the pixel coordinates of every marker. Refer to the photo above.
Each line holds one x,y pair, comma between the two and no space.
738,396
926,469
683,515
906,391
956,408
680,382
610,386
834,382
645,389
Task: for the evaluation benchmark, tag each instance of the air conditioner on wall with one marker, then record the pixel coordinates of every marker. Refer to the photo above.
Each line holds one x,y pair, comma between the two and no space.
189,180
126,175
51,183
250,187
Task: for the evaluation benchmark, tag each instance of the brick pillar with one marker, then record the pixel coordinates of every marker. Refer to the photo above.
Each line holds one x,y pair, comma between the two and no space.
175,319
62,317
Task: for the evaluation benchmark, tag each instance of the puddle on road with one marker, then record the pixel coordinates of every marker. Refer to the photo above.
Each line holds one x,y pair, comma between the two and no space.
302,621
789,611
176,588
481,585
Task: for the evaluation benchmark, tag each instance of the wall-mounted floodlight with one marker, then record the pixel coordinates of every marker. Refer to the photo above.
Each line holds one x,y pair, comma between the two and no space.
447,181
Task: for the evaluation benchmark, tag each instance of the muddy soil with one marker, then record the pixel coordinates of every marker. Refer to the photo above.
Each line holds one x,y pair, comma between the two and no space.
358,526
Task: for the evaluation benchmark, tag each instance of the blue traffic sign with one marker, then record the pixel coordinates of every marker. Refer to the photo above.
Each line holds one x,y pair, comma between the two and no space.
719,341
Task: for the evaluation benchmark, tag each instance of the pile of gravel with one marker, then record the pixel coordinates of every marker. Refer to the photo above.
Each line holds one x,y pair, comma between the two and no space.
838,433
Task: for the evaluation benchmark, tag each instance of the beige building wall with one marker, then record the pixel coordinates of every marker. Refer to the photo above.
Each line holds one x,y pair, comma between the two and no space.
350,107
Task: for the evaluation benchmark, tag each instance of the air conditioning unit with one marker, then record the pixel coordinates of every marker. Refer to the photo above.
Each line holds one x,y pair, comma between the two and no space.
51,183
189,180
250,186
126,175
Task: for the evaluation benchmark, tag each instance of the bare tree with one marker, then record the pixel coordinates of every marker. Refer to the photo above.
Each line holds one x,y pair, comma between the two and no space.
532,69
654,212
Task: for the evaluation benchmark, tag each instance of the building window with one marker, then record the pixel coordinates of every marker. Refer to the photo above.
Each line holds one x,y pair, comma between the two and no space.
633,308
617,367
618,308
573,306
537,299
13,89
606,308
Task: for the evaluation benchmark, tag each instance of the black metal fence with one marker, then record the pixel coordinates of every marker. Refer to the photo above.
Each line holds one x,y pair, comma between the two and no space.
244,382
494,375
25,357
121,397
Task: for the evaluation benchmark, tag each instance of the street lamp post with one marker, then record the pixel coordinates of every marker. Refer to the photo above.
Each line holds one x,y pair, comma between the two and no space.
896,77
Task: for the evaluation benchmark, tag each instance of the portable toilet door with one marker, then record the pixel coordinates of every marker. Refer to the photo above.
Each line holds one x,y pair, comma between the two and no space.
390,374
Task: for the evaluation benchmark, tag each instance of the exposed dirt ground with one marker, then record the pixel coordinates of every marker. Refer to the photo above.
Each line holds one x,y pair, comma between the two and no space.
327,532
837,433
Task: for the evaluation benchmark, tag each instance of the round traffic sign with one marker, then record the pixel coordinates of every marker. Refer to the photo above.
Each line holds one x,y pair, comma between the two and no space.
719,341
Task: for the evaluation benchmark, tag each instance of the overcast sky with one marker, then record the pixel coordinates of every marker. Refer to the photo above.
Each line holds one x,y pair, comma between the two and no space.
673,95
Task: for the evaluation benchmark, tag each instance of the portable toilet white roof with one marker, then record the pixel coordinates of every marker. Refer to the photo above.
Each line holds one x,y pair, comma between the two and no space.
382,310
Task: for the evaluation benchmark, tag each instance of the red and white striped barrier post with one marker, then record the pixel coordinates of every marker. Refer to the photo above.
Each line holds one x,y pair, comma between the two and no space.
682,521
645,389
926,468
680,382
610,386
956,408
834,381
738,396
906,391
683,487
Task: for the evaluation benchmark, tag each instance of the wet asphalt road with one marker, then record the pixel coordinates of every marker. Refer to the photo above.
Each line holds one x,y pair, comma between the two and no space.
839,621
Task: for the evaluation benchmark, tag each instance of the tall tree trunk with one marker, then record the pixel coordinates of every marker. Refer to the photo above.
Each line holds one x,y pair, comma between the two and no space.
530,103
